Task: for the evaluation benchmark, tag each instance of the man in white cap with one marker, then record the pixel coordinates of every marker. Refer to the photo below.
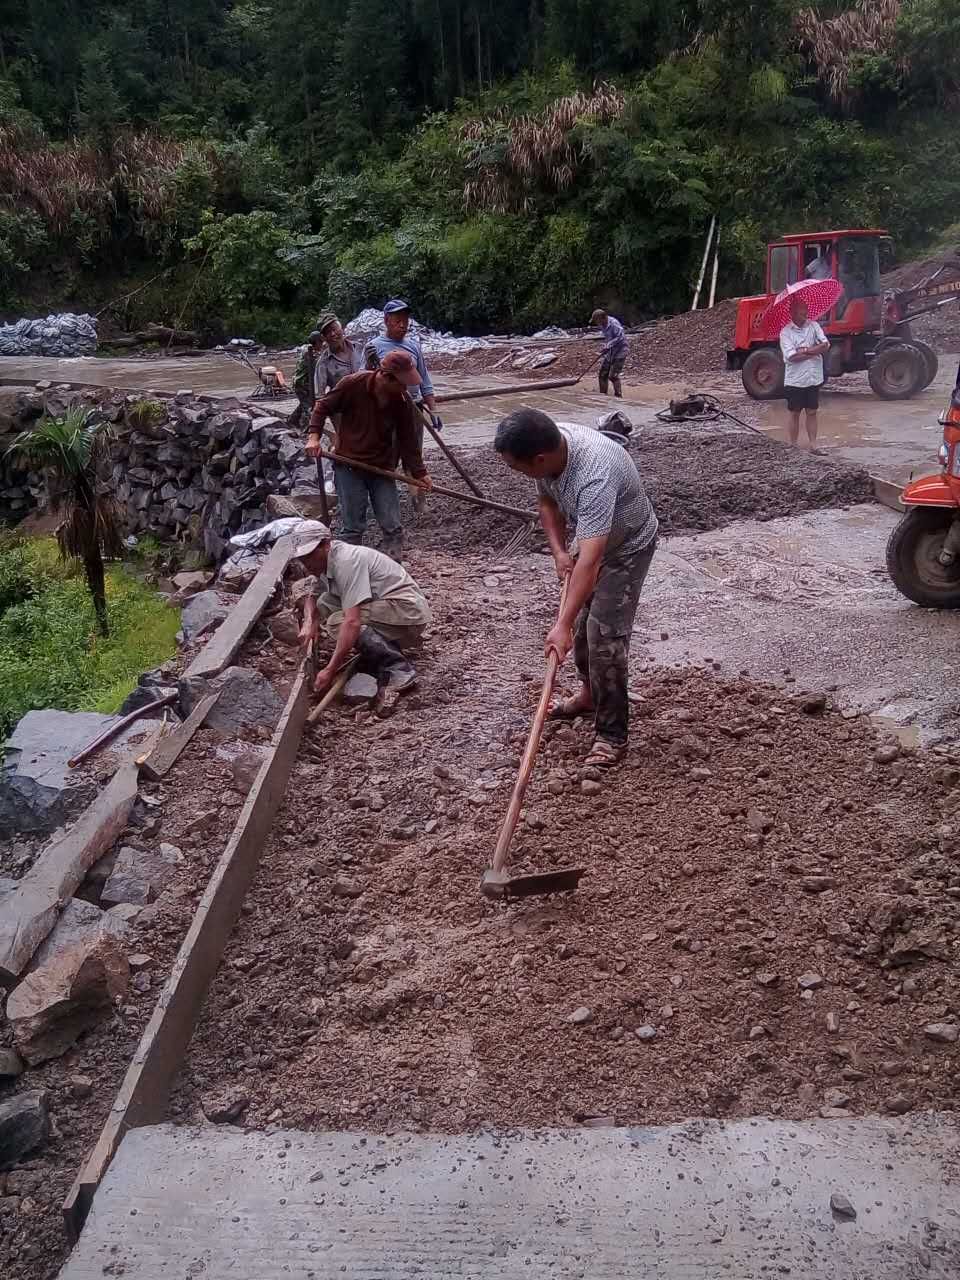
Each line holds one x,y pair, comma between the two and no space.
371,605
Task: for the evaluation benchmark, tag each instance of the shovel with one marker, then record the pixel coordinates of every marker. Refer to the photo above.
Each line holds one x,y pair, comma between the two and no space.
495,882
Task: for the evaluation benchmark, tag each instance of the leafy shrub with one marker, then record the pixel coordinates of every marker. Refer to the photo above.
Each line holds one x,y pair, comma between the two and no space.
50,654
23,240
251,256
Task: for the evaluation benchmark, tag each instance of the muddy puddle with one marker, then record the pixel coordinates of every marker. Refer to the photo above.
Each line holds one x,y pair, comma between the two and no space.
893,439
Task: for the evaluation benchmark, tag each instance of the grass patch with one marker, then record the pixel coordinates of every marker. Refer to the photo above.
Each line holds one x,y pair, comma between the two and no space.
50,653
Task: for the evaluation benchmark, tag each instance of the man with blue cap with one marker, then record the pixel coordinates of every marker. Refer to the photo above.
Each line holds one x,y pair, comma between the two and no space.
396,320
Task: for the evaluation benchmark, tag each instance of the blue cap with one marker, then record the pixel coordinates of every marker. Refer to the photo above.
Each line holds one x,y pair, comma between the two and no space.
394,305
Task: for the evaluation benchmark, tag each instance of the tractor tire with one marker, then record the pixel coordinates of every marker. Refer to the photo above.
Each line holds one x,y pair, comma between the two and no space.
912,563
762,374
931,363
896,372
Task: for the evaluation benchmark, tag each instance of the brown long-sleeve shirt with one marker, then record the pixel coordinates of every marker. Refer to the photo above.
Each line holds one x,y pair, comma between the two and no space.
368,431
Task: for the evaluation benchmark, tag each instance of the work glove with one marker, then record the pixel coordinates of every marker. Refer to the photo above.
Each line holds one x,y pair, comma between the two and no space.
437,421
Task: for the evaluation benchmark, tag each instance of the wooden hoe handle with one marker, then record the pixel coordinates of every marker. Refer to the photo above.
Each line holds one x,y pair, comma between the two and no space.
529,756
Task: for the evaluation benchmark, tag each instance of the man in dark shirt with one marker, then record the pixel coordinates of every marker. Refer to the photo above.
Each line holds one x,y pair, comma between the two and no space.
377,426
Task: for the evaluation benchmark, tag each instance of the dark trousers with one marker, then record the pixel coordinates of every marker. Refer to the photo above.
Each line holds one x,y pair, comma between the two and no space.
602,640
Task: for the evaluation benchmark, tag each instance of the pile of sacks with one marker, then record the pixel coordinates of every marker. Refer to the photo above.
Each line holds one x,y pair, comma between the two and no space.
59,335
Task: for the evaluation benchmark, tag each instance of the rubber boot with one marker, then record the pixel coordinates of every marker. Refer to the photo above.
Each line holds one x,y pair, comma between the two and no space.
618,388
602,382
382,658
393,547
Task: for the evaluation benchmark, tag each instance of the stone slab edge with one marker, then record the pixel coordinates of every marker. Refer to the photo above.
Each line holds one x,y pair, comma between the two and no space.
29,913
143,1095
218,653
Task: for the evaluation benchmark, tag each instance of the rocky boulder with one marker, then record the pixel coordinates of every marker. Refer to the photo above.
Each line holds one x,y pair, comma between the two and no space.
38,792
138,876
24,1126
248,700
66,996
80,922
202,612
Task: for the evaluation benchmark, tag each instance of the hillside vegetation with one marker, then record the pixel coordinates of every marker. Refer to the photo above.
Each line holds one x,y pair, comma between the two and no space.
240,164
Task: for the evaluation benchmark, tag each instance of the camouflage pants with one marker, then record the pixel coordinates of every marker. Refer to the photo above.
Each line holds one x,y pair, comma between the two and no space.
602,640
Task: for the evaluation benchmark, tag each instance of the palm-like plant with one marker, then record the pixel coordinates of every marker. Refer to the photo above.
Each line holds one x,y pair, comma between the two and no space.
69,451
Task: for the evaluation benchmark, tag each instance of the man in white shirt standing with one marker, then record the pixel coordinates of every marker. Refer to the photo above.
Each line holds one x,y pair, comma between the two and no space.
803,344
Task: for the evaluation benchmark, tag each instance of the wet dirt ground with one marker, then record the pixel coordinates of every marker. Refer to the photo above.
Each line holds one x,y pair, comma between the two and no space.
806,602
766,924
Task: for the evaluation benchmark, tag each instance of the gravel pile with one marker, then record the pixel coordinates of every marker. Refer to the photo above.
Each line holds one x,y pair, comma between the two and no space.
698,479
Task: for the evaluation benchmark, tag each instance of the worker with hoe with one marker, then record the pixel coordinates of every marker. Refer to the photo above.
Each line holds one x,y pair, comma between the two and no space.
613,354
803,345
376,426
396,321
371,605
588,486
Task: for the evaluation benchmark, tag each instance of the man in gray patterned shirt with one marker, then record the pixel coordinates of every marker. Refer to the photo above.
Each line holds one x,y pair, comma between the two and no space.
589,488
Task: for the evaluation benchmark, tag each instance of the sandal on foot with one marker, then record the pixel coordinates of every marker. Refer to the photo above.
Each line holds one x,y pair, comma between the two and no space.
569,709
604,755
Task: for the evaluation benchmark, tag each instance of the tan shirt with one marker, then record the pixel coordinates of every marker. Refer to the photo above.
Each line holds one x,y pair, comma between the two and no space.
356,575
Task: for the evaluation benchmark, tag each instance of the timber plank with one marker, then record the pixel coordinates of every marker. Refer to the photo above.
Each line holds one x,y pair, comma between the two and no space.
217,654
29,912
143,1095
166,753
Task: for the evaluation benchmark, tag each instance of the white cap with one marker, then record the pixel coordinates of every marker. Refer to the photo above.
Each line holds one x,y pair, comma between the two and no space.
309,536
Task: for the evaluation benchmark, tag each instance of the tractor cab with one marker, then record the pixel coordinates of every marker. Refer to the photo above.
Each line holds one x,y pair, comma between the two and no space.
852,324
852,257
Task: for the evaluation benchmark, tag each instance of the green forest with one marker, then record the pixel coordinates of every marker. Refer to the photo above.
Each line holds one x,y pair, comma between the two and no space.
234,166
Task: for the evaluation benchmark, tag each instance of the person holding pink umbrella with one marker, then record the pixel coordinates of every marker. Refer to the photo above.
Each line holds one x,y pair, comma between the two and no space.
803,345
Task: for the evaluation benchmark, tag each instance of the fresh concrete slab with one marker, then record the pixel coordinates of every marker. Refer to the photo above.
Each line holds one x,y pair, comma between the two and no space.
697,1201
809,596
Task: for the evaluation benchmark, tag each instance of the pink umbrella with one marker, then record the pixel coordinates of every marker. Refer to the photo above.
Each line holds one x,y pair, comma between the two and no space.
819,295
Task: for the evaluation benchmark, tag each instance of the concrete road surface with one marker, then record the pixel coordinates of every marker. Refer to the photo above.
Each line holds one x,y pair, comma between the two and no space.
865,1199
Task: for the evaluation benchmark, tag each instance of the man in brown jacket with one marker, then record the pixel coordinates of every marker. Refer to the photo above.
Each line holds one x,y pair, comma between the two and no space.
377,426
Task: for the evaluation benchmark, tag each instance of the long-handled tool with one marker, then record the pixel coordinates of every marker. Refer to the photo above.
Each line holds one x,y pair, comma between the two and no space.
436,488
495,882
447,452
339,680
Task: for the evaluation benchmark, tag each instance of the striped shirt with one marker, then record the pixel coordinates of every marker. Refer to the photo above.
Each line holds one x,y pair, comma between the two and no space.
600,493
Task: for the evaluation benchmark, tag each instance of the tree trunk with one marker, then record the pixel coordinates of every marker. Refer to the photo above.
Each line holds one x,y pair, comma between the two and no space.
458,30
443,58
93,571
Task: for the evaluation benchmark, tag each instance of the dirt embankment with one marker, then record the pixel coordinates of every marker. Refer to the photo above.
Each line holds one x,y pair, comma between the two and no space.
698,479
766,925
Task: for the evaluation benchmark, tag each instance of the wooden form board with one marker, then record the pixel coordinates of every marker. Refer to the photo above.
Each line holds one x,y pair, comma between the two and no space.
143,1095
165,754
219,651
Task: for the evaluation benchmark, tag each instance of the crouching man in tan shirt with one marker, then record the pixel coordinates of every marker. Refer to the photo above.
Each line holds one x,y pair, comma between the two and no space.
371,605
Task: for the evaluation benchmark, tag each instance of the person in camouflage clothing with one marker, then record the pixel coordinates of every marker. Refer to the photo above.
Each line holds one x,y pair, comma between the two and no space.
327,357
589,485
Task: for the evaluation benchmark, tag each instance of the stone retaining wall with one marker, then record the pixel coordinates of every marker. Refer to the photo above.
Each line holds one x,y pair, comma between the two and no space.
190,468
